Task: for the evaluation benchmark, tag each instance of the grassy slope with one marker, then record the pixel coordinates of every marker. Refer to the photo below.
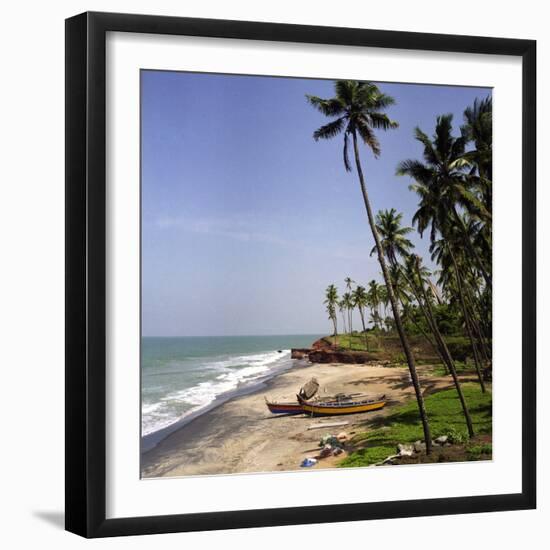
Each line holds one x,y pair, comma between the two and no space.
388,347
403,426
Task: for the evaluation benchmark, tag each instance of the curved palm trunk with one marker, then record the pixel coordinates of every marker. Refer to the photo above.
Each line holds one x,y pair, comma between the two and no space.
334,322
362,315
472,250
483,344
429,340
467,321
478,323
393,301
374,313
344,321
438,349
447,354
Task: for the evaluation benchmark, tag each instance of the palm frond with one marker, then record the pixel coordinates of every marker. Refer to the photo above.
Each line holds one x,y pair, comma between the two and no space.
328,107
416,170
368,137
430,154
383,101
345,90
329,130
382,121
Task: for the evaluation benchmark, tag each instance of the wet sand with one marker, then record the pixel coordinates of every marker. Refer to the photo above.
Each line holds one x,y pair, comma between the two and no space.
241,435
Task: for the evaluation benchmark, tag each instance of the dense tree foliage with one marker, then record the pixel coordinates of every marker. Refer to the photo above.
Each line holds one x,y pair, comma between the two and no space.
453,183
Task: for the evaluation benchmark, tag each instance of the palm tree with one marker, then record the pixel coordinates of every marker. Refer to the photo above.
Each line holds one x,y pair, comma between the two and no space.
374,301
358,110
452,279
384,299
416,275
443,186
342,308
331,300
347,302
467,320
393,237
349,281
478,128
443,347
360,299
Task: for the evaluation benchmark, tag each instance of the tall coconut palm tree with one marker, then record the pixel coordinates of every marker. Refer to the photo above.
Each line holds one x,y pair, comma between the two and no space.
416,275
444,348
384,299
373,295
347,302
393,237
349,281
360,299
331,300
342,308
452,279
478,128
443,186
357,110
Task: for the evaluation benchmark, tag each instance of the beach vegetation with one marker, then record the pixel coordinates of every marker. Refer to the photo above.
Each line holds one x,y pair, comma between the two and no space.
403,426
360,299
448,308
331,301
357,111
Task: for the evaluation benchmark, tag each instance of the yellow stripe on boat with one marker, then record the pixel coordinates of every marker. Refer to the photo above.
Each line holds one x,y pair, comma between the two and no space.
343,409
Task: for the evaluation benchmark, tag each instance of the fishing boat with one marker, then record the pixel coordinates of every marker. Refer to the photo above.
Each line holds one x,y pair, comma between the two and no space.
307,391
342,404
284,407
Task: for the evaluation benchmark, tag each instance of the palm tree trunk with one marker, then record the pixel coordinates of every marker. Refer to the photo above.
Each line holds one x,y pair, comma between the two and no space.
334,322
467,321
472,250
349,328
439,351
362,314
397,317
445,349
431,342
479,325
483,345
344,321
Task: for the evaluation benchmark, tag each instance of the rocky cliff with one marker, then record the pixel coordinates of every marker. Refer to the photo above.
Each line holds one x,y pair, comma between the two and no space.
322,351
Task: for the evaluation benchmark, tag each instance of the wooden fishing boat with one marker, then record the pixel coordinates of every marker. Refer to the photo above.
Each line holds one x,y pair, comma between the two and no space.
307,391
288,407
342,404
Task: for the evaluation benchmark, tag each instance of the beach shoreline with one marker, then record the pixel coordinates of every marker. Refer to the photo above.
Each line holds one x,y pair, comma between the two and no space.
261,384
240,435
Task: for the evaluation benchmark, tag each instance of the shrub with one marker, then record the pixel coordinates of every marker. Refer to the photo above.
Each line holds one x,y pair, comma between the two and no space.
457,437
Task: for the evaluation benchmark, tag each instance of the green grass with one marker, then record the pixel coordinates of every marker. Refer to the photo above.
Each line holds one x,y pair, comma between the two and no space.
356,342
462,367
476,452
389,345
404,426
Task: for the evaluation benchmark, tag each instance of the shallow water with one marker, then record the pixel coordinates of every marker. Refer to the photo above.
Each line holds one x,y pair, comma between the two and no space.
181,376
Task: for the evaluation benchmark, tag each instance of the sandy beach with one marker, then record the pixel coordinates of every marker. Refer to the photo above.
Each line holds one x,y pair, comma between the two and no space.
241,435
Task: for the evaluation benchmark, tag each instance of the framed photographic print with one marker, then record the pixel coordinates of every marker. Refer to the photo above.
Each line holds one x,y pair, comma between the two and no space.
294,294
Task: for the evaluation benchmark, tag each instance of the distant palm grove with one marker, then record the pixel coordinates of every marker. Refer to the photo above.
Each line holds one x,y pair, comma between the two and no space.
453,183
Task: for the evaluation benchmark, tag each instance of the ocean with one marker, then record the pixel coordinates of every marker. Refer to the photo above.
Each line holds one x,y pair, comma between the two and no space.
180,377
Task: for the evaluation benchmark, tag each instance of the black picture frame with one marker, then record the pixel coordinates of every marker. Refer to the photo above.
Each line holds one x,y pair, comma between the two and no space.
86,274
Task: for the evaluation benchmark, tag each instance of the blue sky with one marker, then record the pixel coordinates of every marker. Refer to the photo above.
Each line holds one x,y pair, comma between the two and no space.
245,218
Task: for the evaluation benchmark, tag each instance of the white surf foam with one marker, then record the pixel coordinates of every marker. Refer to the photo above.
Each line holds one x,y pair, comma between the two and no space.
229,374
